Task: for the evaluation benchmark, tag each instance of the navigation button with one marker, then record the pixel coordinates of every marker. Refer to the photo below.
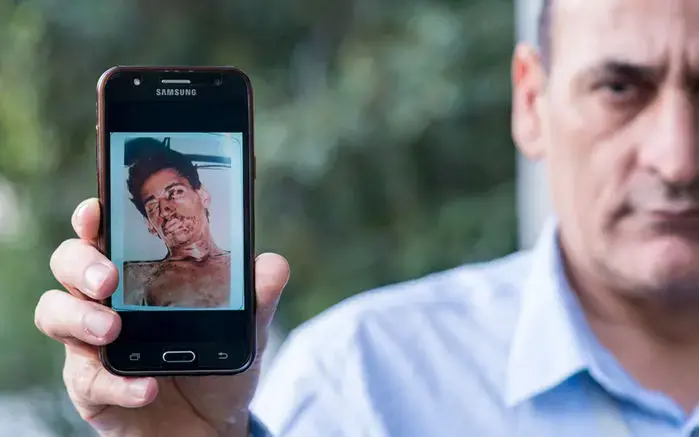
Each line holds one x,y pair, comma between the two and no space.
179,356
135,356
222,356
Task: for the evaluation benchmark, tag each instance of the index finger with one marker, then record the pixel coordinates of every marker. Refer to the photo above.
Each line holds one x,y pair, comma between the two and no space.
86,220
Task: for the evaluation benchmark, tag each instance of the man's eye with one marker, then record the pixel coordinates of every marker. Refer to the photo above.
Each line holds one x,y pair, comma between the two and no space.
618,87
624,92
176,192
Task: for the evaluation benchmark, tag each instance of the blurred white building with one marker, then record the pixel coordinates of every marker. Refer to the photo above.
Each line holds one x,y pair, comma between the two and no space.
533,201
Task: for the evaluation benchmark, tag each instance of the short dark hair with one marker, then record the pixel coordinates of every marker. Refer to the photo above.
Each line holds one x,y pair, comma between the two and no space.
146,156
544,32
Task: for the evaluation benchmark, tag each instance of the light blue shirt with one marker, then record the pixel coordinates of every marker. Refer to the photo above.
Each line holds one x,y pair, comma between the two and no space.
497,349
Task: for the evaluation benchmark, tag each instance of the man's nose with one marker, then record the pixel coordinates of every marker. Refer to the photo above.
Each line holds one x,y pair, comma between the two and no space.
672,148
166,208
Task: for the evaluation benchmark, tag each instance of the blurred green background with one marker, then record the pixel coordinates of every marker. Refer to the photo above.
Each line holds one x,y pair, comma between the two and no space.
382,133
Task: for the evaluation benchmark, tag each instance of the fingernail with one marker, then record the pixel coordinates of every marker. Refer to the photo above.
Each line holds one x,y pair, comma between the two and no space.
98,323
95,276
79,212
138,388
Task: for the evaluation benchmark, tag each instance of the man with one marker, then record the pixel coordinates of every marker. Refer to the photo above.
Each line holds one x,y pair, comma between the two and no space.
593,333
165,188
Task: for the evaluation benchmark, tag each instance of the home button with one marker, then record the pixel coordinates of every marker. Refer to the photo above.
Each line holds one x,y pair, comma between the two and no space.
179,356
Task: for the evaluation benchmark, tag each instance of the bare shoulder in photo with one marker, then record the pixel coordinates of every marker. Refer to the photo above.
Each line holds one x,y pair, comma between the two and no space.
165,187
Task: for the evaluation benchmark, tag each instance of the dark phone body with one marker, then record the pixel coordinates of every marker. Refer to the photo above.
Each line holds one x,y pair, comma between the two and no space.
189,341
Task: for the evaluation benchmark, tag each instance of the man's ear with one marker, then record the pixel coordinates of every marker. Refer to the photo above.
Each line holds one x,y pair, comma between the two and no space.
204,196
528,89
151,229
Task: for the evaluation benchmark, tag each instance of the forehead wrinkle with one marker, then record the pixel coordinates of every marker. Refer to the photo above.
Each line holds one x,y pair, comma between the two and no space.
166,177
646,32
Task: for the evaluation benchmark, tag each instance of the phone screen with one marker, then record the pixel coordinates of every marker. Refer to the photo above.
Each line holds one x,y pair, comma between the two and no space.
177,220
176,170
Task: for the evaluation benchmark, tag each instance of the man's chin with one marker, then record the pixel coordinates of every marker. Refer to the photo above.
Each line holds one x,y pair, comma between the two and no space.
178,240
665,262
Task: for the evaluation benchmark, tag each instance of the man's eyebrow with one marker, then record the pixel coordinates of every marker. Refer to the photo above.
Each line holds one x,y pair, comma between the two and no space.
167,187
174,184
627,69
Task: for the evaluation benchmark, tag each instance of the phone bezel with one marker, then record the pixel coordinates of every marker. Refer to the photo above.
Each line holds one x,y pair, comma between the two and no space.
244,347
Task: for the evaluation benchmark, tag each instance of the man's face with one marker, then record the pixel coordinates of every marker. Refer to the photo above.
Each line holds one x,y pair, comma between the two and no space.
616,123
175,211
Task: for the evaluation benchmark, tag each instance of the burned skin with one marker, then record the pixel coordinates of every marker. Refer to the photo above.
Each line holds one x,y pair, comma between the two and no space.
195,273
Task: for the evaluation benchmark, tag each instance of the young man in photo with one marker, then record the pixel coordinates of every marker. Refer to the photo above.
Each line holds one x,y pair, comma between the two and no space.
165,188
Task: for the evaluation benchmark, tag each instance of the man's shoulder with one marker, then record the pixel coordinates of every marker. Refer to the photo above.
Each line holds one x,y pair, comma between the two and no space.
142,265
483,297
143,271
467,288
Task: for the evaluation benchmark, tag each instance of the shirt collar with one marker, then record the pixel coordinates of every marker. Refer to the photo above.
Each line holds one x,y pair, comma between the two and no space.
546,349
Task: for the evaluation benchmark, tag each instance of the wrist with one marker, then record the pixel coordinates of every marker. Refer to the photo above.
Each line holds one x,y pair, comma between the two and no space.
239,426
246,425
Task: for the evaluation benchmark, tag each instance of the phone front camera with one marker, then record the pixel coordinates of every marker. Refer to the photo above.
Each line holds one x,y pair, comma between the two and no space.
137,81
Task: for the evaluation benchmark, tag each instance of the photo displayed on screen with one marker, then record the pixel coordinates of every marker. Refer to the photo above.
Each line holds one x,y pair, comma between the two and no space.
177,220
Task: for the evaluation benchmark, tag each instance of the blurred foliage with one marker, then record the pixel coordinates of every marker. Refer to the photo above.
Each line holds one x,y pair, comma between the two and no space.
382,128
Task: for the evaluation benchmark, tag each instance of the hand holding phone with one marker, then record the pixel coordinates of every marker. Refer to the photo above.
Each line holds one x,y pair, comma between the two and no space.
117,405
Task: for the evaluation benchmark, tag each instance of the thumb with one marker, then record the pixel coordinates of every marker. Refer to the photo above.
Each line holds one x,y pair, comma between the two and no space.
271,275
86,220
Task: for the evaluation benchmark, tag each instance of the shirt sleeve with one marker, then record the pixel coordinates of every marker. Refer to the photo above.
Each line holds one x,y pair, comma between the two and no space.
298,397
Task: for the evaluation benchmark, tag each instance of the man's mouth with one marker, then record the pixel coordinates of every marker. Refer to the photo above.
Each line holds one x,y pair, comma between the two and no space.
171,226
677,212
675,219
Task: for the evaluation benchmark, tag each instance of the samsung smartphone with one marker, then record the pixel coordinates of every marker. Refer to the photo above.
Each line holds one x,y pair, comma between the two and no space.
175,166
